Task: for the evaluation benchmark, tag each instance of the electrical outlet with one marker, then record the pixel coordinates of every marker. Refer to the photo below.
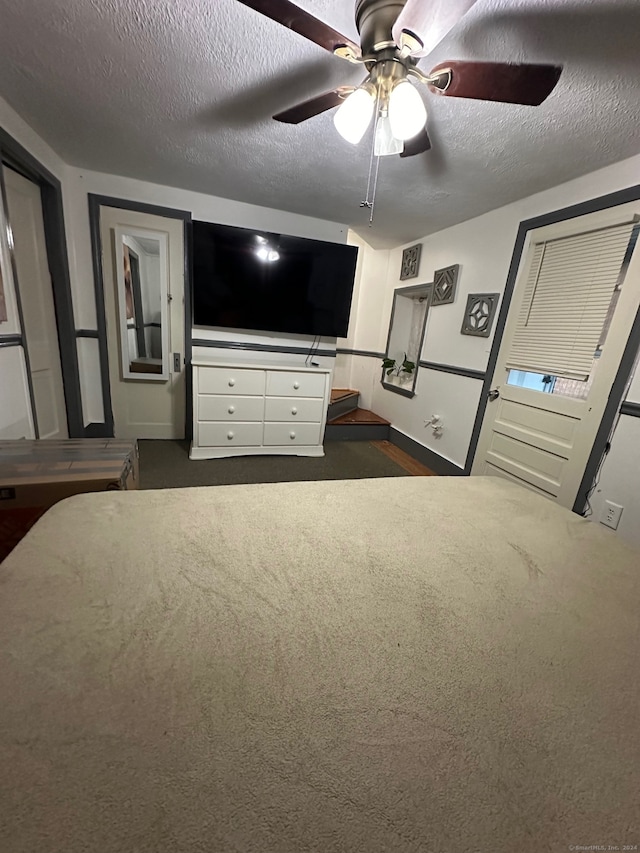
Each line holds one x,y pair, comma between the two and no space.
611,515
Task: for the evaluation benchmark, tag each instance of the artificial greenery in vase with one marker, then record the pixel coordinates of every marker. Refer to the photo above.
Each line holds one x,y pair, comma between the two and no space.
404,369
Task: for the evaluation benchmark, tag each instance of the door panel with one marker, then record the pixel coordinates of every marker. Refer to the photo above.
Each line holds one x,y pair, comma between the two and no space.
530,463
24,205
489,470
552,431
543,440
145,407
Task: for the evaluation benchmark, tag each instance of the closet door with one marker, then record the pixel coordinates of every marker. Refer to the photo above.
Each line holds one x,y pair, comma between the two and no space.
24,209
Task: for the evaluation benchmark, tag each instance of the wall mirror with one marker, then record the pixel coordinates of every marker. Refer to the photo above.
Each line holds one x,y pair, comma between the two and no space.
143,294
405,339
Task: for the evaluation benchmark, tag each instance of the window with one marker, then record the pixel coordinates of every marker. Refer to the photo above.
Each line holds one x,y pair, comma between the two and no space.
570,295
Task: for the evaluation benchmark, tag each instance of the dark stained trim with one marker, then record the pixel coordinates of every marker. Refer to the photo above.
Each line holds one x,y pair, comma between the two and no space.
450,368
428,365
16,283
234,345
590,206
94,431
397,389
56,240
96,257
356,432
631,409
187,235
87,333
404,291
364,352
95,203
616,396
11,341
19,159
438,464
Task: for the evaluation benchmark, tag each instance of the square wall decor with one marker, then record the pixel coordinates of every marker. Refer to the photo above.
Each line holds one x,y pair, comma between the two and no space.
410,262
479,314
445,282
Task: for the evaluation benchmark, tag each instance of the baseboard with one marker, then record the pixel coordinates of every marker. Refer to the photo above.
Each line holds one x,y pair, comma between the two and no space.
356,432
97,431
438,464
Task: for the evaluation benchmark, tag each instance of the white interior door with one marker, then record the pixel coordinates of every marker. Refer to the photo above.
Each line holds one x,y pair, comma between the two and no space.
579,281
24,204
145,405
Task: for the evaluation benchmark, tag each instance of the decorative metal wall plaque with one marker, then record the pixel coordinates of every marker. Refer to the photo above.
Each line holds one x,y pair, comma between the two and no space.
410,262
479,314
445,282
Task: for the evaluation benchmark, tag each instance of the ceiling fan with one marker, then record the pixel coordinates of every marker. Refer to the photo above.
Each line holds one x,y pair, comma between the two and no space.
395,35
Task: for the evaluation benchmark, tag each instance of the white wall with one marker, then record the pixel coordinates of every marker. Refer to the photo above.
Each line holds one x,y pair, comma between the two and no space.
79,183
367,326
483,247
619,479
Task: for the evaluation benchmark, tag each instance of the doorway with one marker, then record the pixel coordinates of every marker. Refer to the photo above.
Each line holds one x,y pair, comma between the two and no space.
39,326
25,215
576,295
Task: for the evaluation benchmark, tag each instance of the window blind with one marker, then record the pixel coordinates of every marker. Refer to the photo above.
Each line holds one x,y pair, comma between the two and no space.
568,290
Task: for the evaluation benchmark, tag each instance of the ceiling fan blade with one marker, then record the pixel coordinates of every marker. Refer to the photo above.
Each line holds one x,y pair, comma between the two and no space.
301,22
496,81
314,106
429,21
417,145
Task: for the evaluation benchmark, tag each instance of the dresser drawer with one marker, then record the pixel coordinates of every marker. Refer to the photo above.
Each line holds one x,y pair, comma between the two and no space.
215,407
211,434
293,409
291,434
228,380
284,384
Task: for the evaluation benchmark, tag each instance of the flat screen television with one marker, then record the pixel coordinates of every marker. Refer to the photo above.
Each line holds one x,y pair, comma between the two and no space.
259,281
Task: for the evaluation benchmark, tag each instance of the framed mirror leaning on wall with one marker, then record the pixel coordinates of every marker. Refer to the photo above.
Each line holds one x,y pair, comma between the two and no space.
406,336
141,271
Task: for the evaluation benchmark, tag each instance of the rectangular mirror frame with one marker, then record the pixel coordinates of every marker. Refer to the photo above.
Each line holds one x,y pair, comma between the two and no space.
120,234
412,292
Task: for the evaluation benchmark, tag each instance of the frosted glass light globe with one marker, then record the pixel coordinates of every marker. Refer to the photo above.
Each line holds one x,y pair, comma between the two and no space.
407,112
385,142
354,115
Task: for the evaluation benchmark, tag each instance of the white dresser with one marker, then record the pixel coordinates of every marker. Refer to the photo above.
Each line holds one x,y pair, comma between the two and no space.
244,409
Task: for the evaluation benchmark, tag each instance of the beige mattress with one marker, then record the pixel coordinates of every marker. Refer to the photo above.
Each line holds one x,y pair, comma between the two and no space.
424,664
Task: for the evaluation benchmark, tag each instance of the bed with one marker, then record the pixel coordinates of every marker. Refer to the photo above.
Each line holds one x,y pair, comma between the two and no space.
407,664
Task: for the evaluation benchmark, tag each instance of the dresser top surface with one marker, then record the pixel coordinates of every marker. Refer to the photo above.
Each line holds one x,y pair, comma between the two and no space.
255,365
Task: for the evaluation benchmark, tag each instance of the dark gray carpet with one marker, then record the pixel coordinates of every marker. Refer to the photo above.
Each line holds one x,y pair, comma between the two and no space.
166,464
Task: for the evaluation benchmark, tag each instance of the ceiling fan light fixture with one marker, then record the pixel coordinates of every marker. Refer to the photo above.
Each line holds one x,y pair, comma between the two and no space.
385,142
353,116
407,112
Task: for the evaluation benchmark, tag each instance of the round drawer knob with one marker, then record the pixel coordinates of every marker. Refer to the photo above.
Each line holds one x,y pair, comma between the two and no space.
294,411
232,382
296,385
292,435
231,409
229,435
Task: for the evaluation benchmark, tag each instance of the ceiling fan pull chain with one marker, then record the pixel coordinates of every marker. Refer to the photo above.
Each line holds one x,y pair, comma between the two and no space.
371,189
366,202
373,195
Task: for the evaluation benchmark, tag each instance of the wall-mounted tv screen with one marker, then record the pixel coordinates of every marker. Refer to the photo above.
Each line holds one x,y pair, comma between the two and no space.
259,281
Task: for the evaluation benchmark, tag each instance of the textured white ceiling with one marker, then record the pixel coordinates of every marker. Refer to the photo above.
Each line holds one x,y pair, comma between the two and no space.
180,92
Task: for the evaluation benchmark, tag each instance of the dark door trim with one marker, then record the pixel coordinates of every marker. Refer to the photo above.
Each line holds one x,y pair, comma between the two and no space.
12,154
591,206
95,203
